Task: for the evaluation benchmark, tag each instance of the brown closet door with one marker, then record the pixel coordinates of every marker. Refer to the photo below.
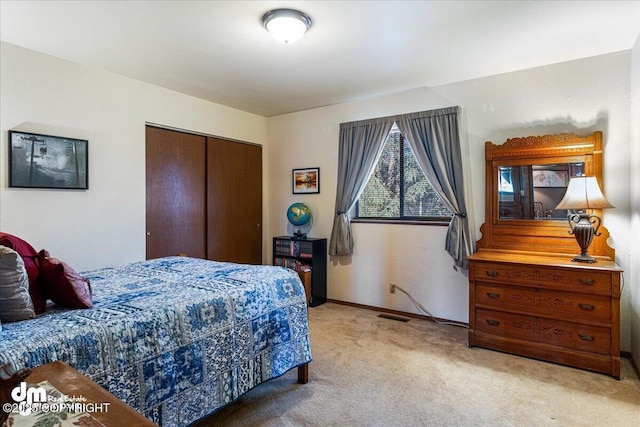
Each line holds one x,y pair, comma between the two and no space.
176,193
234,197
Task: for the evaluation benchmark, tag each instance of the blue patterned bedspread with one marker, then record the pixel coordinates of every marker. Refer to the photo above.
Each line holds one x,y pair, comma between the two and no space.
175,338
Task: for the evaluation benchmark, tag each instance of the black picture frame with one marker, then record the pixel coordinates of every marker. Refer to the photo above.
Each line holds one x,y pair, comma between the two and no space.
305,181
48,161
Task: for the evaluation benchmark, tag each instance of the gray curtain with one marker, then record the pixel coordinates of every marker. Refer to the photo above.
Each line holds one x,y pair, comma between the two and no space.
360,147
434,138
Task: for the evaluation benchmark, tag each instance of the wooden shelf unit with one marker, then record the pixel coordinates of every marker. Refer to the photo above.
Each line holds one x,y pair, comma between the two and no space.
305,254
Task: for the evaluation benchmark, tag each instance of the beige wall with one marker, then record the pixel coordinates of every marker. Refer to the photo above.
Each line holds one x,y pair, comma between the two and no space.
633,278
578,96
106,224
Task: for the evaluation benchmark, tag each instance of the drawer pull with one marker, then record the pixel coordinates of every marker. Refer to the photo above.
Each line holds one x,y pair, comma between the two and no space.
587,307
587,281
492,322
589,338
493,295
492,273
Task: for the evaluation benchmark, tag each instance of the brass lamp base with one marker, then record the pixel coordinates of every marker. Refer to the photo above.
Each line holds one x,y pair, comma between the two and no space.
584,232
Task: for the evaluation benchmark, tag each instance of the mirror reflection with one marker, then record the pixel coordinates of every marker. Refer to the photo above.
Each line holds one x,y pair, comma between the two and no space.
534,191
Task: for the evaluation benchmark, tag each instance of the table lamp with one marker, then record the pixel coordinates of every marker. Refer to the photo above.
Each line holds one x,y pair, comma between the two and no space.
584,193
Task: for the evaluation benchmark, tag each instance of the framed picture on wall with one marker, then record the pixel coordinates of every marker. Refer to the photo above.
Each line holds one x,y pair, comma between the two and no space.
306,180
46,161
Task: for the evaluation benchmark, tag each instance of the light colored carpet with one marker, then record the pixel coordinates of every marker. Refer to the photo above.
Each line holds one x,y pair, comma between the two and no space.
371,371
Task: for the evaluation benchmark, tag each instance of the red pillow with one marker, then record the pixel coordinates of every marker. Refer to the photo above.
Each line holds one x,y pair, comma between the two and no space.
29,256
62,284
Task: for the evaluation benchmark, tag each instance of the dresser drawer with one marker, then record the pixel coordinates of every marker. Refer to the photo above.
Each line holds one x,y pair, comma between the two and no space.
592,339
516,297
575,306
575,336
566,305
562,279
574,280
503,273
506,324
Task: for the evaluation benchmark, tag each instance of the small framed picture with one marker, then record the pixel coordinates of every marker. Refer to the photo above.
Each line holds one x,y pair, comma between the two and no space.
550,178
306,181
46,161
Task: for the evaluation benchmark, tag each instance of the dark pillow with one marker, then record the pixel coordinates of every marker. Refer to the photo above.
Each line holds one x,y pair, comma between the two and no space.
62,284
15,302
29,256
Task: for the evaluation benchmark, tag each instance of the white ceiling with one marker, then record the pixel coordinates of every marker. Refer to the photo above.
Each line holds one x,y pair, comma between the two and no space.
219,51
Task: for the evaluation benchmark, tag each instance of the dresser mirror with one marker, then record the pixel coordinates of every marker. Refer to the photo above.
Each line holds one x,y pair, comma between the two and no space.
525,180
533,191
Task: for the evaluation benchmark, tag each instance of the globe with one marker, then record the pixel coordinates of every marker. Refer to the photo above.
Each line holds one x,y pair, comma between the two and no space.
299,215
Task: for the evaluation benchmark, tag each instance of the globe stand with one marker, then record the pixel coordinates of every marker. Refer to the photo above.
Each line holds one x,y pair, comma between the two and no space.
299,235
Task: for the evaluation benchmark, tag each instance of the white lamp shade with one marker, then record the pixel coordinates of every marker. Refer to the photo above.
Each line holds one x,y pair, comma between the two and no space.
286,25
583,192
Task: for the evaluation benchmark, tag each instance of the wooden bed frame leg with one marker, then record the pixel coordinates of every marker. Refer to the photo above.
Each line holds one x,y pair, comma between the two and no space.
303,374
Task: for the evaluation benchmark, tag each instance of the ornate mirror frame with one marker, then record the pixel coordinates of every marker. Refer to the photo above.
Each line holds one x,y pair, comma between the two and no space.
539,235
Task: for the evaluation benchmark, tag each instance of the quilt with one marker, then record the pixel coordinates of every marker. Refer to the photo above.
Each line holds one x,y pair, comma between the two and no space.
175,338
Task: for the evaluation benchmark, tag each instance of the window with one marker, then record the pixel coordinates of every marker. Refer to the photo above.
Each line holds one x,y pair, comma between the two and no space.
398,190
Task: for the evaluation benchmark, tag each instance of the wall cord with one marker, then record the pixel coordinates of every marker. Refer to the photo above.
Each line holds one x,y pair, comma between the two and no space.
425,311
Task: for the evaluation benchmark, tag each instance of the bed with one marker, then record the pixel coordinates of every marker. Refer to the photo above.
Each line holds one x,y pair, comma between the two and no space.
176,338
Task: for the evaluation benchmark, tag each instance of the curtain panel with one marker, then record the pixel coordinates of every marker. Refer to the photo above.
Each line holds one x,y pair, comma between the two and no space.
434,137
360,148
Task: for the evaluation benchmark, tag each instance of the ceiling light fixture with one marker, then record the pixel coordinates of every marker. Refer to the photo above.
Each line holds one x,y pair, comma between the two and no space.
286,25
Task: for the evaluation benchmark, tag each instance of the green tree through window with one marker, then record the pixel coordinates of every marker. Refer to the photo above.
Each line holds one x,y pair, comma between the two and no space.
398,190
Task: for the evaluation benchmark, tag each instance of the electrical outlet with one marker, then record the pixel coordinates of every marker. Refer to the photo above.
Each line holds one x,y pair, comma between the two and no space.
392,288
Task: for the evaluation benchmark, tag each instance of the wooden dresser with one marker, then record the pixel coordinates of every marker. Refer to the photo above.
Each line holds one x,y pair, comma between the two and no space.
526,295
546,307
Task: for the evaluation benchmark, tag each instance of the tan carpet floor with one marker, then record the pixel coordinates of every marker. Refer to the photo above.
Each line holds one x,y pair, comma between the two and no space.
371,371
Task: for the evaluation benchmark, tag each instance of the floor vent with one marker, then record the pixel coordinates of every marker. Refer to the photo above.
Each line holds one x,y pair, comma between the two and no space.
393,317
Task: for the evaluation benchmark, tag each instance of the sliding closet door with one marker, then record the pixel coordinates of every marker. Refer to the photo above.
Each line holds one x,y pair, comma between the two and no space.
175,193
234,197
